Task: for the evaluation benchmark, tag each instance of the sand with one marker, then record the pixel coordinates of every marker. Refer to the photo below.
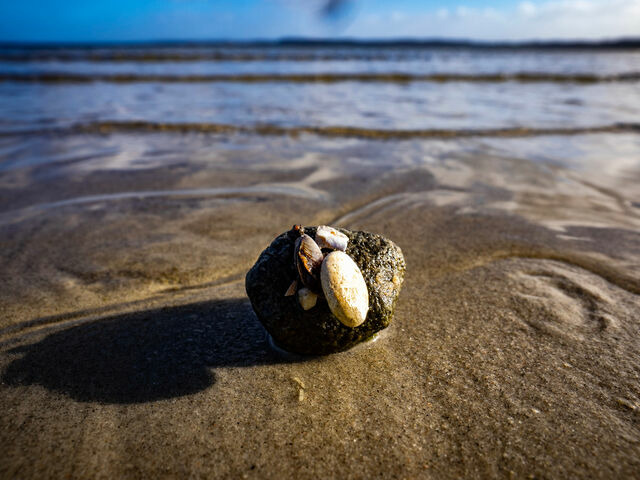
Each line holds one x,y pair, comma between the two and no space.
128,348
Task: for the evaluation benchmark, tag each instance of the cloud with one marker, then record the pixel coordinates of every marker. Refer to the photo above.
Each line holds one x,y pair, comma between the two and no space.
527,9
552,19
442,13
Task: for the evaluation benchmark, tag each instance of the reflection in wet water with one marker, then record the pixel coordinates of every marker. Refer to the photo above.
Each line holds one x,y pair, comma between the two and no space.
199,192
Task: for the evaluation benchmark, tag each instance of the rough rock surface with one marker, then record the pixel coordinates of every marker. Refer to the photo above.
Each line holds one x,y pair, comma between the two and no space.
318,331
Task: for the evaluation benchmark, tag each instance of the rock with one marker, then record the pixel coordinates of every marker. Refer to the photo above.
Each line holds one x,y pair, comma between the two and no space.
317,330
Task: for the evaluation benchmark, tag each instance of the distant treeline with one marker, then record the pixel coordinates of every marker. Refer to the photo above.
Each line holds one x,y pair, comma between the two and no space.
623,43
291,49
620,43
521,77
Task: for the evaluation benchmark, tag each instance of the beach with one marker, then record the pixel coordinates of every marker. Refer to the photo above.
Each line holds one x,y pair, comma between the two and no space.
134,200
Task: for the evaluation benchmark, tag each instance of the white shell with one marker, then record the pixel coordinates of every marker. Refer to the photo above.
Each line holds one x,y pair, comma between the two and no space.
344,288
307,298
329,237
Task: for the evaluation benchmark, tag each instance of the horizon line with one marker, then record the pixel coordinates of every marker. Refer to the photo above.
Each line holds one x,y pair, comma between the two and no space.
299,41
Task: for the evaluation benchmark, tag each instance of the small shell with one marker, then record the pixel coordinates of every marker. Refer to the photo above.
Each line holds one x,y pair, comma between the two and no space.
292,288
329,237
308,259
307,298
345,289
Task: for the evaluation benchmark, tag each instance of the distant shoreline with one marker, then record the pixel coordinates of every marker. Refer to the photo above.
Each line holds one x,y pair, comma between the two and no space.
391,77
616,44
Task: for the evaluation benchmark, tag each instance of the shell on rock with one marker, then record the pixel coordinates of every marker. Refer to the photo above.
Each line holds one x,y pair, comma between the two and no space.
307,298
329,237
344,289
308,259
292,288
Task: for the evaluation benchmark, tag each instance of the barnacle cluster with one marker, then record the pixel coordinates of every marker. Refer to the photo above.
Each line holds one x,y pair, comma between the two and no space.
326,271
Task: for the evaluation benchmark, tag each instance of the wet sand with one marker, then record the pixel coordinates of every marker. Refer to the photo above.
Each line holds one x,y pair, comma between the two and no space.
128,348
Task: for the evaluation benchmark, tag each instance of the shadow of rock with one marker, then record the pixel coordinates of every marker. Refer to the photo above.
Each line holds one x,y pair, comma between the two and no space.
145,356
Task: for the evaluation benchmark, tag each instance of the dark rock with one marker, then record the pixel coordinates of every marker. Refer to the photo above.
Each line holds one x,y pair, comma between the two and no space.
318,331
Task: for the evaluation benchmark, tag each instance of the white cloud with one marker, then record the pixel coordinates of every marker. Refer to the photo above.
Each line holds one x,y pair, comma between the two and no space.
442,13
463,11
527,9
397,16
552,19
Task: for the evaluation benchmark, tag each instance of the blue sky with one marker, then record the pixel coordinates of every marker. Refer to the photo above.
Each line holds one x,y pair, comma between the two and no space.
122,20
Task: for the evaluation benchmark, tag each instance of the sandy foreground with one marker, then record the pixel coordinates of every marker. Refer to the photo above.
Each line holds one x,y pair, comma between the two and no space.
128,348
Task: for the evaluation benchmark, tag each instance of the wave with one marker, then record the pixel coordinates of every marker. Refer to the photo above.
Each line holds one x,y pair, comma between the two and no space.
523,77
107,127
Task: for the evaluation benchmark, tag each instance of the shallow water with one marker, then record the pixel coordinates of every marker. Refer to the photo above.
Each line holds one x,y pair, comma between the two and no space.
229,60
417,106
128,347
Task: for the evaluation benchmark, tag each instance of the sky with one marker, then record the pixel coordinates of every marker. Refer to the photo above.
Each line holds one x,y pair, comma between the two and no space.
140,20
